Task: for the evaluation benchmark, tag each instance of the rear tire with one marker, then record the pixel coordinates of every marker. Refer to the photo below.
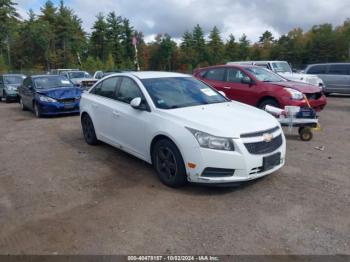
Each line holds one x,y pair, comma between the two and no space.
268,102
169,164
88,130
327,93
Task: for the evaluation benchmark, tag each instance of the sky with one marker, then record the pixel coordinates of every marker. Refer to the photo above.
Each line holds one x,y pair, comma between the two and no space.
252,17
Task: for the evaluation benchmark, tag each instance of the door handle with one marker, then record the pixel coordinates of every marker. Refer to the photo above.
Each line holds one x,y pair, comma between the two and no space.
227,87
116,114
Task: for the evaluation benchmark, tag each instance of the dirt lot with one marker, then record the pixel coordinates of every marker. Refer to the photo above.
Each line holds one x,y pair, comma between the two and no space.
61,196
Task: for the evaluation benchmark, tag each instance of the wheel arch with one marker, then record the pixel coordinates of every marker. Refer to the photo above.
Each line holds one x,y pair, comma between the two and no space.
266,97
160,137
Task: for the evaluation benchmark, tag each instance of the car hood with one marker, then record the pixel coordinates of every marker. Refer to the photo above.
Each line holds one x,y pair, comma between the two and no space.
61,92
313,79
15,86
301,87
231,119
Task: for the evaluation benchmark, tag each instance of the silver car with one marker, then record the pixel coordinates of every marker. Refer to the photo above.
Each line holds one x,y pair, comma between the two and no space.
336,76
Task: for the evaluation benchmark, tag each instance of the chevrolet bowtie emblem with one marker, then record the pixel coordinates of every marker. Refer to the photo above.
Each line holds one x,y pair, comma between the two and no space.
267,137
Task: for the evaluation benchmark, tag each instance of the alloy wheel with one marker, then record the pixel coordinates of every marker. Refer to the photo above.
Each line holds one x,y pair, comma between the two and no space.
166,163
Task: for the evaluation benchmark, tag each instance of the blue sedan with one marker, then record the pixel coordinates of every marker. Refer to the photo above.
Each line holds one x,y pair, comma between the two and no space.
49,95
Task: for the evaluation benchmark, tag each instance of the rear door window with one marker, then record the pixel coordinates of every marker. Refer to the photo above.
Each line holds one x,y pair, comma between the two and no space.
27,82
339,69
217,74
107,88
317,70
234,75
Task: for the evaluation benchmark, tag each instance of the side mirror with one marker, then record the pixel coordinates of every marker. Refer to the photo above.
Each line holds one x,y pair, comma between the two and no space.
247,80
136,103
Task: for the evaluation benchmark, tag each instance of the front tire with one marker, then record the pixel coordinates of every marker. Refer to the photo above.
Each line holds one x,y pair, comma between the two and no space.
88,130
168,163
268,102
36,110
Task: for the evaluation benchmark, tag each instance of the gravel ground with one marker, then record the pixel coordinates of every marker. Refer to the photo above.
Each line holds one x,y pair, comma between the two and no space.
61,196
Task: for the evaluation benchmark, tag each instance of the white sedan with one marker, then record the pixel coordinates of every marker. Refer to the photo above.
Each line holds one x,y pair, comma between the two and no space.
185,128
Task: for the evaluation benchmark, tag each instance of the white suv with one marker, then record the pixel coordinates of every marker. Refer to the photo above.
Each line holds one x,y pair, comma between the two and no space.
185,128
283,69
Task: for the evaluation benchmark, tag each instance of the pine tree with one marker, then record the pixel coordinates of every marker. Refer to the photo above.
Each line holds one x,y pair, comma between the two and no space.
216,47
243,48
187,55
201,57
98,39
127,35
231,49
8,19
114,36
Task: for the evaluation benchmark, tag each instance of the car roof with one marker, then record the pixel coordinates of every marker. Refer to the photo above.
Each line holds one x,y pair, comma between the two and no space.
257,61
230,65
40,76
76,71
329,64
13,75
151,74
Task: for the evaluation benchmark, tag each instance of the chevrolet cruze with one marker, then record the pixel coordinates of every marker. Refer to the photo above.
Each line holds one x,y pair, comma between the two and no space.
186,129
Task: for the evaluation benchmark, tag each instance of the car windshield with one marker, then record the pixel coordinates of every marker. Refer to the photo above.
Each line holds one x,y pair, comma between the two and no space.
264,75
281,67
52,82
178,92
79,74
13,80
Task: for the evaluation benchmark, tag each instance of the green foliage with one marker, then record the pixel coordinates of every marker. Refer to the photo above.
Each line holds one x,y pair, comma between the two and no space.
54,38
110,63
231,49
216,47
243,48
3,66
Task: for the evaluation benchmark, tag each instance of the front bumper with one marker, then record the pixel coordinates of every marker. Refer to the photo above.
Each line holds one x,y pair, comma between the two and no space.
246,166
318,105
58,108
11,95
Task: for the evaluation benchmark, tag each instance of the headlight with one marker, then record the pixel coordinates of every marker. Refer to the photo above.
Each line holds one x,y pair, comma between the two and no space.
295,94
47,99
213,142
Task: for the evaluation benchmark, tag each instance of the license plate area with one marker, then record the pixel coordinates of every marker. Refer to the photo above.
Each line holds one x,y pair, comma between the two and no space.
69,106
270,162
